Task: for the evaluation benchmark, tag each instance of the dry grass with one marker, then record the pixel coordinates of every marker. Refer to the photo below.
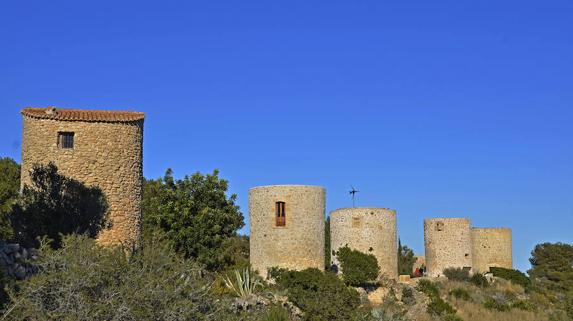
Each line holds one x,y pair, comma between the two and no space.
474,312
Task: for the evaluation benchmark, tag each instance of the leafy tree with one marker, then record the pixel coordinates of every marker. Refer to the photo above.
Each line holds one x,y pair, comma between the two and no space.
9,189
56,205
320,295
552,266
357,268
195,213
406,259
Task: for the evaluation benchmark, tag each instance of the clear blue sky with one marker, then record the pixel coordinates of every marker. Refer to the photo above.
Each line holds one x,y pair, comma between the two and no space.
434,108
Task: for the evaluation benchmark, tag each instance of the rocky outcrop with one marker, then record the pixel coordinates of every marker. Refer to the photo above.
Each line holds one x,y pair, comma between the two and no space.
16,261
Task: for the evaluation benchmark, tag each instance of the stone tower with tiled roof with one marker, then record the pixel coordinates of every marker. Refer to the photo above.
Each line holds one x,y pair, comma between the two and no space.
97,147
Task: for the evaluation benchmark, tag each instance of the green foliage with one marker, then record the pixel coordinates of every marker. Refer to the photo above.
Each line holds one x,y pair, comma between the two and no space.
438,306
9,189
523,305
408,296
357,268
428,287
406,259
244,283
276,314
83,281
460,293
496,304
457,274
56,205
390,310
552,267
327,249
479,280
515,276
196,214
320,295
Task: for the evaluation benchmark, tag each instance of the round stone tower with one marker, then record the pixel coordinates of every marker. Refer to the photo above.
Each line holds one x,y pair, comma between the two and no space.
368,230
99,148
491,247
287,227
448,243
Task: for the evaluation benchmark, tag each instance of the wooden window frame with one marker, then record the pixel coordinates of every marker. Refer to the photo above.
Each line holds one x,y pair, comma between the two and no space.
280,214
66,140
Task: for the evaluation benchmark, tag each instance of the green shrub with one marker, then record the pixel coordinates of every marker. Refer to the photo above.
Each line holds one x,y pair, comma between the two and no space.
515,276
439,307
460,293
408,296
83,281
357,268
451,317
276,314
496,304
479,280
429,288
457,274
523,305
320,295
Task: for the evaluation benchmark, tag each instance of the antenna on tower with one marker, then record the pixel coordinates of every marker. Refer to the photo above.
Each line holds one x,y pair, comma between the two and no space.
353,192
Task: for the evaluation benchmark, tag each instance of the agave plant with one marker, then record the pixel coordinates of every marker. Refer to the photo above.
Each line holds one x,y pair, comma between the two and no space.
244,284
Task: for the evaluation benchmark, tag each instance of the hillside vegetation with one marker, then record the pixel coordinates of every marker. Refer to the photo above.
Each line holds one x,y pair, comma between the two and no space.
193,265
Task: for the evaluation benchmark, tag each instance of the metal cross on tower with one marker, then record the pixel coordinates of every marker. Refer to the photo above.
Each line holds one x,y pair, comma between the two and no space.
353,192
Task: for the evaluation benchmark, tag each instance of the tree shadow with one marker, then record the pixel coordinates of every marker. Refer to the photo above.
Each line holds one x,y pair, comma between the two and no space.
55,205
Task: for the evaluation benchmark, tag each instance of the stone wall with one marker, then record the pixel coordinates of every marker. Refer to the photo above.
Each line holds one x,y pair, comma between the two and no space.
105,154
297,245
448,244
368,230
491,247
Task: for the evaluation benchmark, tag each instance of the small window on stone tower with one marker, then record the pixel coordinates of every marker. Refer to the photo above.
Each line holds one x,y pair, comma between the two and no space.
439,226
280,214
66,140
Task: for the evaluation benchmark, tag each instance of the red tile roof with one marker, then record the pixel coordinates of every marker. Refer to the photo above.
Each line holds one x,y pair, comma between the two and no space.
83,115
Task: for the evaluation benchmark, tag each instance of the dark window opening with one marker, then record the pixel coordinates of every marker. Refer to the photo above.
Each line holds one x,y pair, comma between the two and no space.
66,140
439,226
280,214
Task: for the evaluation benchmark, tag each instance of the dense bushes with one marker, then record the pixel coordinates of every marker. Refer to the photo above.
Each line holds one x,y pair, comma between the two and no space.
457,274
357,268
321,295
56,205
479,280
9,188
83,281
195,213
437,305
515,276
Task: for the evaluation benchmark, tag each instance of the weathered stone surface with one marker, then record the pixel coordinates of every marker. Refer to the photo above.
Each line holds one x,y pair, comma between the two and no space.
16,262
107,154
491,247
448,243
297,245
368,230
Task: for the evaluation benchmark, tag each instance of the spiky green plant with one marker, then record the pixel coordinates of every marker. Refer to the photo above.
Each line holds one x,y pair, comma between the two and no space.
244,284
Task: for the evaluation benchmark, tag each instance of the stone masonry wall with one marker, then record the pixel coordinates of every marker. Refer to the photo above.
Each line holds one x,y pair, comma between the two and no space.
105,154
368,230
297,245
448,244
491,247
